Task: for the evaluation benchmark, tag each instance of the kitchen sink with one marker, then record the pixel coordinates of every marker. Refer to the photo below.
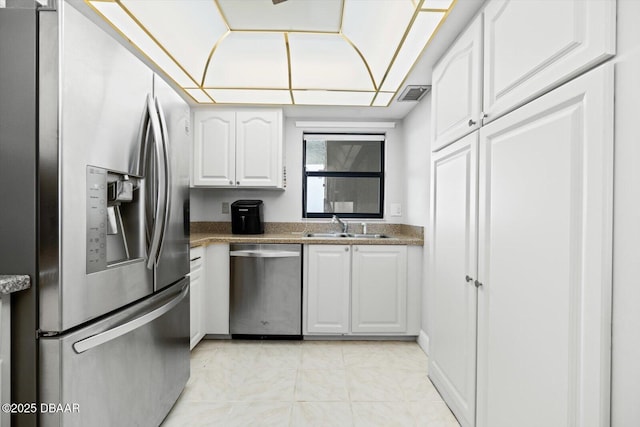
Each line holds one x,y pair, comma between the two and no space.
352,235
326,235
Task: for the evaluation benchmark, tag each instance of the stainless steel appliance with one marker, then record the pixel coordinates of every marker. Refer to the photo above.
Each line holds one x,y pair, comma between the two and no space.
266,291
94,164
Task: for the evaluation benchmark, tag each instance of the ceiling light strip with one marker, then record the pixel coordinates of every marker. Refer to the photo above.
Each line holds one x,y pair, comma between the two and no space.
374,99
222,15
404,37
148,33
285,31
341,16
335,90
286,42
213,50
334,124
435,31
366,64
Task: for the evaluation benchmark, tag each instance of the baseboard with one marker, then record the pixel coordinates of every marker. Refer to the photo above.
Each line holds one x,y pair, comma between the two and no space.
423,342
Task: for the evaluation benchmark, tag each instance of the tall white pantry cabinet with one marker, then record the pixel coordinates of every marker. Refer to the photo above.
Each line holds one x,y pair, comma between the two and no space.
521,225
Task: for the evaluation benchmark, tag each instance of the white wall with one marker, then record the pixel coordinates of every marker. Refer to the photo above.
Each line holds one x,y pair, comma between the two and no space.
286,206
625,406
417,166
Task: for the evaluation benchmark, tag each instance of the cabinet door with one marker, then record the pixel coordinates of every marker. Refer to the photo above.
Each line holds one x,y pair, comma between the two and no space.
379,289
531,47
214,149
545,236
327,288
259,148
5,356
195,307
457,85
452,308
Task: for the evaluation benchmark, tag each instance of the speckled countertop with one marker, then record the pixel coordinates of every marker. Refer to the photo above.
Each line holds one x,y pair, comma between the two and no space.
206,233
9,284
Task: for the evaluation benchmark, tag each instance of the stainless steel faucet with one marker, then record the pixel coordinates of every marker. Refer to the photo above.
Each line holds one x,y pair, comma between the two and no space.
344,224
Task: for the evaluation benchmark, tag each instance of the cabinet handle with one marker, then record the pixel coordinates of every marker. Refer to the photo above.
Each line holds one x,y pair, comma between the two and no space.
478,284
237,182
468,278
346,249
230,182
471,123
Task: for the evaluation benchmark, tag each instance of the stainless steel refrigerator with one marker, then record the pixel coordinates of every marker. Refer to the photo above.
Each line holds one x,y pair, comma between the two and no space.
94,192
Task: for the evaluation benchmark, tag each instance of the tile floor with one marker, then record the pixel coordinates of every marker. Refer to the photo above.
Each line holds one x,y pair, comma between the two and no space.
309,383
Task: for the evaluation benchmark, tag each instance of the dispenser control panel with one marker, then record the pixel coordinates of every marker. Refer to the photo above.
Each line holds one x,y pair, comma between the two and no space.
96,219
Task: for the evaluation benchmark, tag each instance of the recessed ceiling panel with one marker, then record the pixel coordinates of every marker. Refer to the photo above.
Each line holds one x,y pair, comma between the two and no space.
376,29
291,15
419,34
320,97
326,61
250,96
186,28
322,52
249,60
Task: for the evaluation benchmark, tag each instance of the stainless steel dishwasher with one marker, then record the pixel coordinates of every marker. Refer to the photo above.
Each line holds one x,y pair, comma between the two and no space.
266,291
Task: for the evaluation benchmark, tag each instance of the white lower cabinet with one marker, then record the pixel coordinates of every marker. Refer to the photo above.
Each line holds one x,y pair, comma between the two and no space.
327,288
5,356
359,289
196,315
543,271
209,291
379,289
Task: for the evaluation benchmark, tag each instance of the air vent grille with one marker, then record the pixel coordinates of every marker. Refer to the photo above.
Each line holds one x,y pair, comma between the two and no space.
413,93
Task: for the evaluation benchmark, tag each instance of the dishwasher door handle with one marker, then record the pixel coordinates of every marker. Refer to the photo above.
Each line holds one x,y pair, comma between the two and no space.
265,254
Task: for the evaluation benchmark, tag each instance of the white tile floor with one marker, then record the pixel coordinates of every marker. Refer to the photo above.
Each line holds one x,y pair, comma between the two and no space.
309,383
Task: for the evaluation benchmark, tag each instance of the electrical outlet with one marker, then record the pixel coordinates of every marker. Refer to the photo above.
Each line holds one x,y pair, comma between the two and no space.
225,207
396,209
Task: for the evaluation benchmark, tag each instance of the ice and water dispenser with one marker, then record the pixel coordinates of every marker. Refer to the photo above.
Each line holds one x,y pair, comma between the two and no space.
115,219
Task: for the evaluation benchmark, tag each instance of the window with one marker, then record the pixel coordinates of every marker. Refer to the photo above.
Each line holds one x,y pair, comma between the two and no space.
343,175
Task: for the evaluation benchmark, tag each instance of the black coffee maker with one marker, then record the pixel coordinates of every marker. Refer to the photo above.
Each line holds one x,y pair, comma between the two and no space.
247,217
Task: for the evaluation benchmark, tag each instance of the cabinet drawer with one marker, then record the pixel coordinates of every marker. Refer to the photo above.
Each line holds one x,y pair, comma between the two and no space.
196,256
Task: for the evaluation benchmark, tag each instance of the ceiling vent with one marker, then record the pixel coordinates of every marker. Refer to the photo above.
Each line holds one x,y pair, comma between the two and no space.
413,93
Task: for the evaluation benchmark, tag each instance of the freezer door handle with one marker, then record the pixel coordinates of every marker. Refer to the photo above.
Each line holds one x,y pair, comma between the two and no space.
167,173
120,330
264,254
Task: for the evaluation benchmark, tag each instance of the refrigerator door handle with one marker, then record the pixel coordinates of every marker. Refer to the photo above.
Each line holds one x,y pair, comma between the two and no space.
167,171
161,203
120,330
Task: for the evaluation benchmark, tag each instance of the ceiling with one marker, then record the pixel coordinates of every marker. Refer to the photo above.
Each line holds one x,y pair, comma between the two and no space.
301,54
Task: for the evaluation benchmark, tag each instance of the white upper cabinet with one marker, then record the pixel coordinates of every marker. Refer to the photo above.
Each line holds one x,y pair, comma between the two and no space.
457,88
238,148
258,148
531,47
214,149
379,289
